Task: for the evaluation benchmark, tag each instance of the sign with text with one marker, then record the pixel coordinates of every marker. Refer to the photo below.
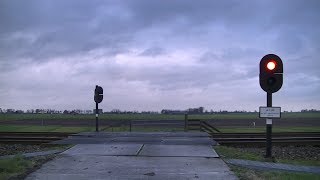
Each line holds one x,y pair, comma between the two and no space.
99,111
270,112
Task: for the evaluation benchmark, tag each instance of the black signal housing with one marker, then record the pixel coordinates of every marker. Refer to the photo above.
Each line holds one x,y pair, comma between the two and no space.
271,78
98,94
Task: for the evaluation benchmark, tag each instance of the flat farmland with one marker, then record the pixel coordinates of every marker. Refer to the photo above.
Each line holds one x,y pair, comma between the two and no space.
238,116
219,120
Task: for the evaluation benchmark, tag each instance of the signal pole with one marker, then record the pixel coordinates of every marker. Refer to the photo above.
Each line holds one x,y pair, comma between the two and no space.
97,114
269,129
271,80
98,97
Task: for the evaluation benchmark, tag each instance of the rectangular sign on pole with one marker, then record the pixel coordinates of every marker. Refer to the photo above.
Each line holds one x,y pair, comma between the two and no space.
99,111
270,112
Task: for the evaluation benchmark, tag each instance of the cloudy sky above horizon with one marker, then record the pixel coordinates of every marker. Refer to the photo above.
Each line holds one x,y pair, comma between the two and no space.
153,55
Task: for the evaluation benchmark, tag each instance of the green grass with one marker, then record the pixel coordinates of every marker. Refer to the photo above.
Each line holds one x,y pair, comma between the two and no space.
274,129
13,166
245,173
74,129
250,174
235,153
300,162
18,128
8,117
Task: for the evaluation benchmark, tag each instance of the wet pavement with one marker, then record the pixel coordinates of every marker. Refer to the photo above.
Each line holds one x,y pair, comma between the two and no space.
131,156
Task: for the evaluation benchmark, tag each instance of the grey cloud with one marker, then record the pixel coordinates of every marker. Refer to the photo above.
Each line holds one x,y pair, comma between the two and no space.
175,77
152,12
153,52
83,25
229,39
64,28
16,15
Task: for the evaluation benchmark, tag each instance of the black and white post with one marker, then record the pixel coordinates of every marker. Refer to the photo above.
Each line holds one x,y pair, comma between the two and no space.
97,118
269,129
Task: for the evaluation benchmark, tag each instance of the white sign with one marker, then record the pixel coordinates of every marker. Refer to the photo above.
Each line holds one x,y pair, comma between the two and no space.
270,112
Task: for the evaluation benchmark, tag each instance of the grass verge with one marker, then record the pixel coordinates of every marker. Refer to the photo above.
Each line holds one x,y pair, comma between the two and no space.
238,153
13,166
18,167
250,174
234,153
263,129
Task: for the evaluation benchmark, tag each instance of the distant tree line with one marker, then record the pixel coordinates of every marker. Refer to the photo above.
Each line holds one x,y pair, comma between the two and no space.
309,110
199,110
44,111
118,111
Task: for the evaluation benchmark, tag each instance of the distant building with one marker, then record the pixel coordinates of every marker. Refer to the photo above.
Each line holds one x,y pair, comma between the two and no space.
168,111
198,110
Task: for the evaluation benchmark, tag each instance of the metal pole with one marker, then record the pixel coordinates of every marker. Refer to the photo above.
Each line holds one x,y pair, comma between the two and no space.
269,129
97,122
185,122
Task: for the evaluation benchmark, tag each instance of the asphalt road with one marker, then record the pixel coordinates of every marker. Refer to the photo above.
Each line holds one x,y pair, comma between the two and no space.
310,122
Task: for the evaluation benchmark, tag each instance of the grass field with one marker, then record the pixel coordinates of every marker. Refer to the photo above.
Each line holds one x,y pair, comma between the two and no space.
6,117
22,128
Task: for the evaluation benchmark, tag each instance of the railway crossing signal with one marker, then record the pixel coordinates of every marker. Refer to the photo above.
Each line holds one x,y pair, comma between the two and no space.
98,94
98,97
271,69
271,79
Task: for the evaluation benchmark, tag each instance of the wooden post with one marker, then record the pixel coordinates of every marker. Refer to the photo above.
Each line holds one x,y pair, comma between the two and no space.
186,122
130,125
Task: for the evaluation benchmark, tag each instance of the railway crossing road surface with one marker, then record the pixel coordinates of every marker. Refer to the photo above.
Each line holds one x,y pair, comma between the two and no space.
161,155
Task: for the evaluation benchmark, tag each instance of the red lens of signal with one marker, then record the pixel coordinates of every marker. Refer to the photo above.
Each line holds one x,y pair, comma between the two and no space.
271,65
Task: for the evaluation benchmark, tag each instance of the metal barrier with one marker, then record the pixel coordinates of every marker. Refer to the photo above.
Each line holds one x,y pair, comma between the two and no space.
199,125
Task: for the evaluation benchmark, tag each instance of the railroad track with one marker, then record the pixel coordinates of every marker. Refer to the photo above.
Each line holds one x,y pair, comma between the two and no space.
221,138
31,137
260,138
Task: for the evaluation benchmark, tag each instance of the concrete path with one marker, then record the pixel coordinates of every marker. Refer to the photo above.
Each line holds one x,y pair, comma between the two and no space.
136,160
273,166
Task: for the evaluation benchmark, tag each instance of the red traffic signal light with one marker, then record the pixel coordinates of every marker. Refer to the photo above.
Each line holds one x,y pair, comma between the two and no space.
271,65
271,69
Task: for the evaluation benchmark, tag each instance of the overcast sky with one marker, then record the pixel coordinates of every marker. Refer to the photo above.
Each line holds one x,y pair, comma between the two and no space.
153,55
